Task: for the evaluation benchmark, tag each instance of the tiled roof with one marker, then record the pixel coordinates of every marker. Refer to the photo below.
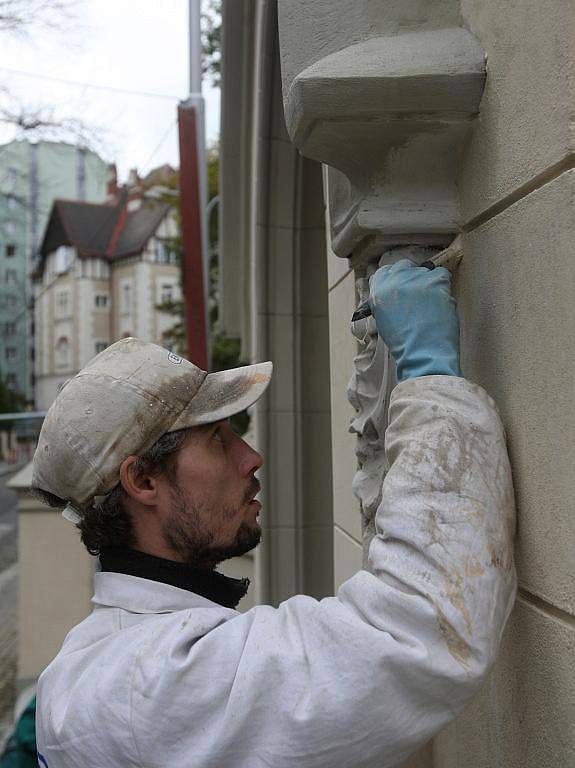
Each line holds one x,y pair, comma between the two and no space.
104,230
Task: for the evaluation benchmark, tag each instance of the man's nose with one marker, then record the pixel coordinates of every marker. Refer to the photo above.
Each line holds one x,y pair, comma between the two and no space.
249,459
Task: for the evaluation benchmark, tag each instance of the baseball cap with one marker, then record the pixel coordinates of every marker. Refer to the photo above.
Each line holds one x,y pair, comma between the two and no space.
124,400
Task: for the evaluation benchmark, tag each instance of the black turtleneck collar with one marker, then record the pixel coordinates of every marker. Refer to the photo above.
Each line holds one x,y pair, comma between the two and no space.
210,584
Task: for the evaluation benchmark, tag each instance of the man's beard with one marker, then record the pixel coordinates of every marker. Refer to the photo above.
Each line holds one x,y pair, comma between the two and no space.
186,531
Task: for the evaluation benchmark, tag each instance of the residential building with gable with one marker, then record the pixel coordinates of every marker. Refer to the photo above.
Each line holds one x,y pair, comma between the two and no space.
103,269
32,175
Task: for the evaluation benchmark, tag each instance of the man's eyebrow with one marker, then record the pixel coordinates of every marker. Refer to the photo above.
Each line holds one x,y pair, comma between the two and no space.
214,425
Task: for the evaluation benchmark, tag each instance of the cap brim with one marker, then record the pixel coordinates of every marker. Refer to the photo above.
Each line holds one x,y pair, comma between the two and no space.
225,393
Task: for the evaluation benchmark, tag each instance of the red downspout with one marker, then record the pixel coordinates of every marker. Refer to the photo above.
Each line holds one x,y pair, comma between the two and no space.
192,260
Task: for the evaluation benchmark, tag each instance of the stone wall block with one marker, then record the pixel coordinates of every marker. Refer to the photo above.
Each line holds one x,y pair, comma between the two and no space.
524,717
515,297
526,123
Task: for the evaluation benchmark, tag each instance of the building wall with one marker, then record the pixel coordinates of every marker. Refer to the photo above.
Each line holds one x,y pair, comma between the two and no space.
87,326
274,273
31,177
504,177
514,292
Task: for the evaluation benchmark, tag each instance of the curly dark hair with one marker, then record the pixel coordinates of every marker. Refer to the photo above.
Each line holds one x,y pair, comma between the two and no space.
108,524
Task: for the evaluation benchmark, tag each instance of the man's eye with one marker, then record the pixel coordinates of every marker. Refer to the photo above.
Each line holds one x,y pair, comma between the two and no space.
218,436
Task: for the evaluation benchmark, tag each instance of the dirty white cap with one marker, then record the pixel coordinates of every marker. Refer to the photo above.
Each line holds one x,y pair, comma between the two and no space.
126,398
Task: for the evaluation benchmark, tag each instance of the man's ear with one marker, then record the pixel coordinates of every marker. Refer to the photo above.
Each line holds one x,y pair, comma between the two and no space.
139,486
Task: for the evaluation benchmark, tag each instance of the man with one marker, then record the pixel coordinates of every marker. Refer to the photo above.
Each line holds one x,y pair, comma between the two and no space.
165,672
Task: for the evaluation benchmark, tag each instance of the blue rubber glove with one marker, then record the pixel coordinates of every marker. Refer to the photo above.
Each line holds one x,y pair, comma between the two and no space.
416,316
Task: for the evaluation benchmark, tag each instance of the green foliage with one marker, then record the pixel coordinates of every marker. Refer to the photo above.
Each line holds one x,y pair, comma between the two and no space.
11,401
211,30
226,351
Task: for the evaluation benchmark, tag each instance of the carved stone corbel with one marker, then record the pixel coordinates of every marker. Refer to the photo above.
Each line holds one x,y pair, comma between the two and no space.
369,392
389,115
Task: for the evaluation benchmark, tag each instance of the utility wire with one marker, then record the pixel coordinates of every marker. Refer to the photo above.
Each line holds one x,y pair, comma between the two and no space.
95,86
161,142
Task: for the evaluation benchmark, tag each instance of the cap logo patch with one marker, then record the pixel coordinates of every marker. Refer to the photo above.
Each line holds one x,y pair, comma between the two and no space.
174,359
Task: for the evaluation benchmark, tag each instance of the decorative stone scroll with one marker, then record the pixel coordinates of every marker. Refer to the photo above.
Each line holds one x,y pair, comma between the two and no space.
369,392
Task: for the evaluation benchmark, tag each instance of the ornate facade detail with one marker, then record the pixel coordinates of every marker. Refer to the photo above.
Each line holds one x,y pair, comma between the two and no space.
369,392
389,114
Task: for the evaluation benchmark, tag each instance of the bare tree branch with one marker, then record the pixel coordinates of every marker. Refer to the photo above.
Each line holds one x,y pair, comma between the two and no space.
19,17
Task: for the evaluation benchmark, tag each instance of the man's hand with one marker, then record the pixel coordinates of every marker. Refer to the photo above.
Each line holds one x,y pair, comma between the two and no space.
416,317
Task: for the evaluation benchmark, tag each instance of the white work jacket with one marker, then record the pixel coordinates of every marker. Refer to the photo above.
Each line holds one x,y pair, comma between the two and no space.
159,676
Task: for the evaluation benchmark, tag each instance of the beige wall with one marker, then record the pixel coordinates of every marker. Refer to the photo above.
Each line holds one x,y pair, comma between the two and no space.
515,295
54,582
86,324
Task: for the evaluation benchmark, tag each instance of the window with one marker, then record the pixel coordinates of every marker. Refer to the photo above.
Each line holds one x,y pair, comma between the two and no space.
165,253
11,277
100,269
9,329
126,299
10,250
101,346
10,227
11,380
62,352
62,304
11,203
167,293
64,256
101,300
11,353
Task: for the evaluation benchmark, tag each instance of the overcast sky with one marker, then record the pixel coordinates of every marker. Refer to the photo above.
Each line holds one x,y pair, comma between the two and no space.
136,45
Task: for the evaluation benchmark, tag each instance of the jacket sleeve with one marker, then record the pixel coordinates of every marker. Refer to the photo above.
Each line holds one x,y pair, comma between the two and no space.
366,677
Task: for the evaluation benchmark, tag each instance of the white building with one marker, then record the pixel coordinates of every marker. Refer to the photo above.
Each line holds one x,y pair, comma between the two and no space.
103,271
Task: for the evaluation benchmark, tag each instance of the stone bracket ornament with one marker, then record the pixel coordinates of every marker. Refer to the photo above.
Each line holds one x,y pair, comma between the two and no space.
369,392
390,116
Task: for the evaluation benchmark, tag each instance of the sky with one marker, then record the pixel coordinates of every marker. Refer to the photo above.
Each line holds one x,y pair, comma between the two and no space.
133,45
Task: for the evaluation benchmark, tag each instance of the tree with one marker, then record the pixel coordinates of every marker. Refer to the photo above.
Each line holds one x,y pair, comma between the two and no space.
10,400
19,18
211,29
226,350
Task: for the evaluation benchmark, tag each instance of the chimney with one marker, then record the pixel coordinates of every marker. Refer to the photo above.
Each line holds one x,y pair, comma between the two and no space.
135,194
112,190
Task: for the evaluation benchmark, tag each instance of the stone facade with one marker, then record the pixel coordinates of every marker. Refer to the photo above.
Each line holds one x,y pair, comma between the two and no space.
429,118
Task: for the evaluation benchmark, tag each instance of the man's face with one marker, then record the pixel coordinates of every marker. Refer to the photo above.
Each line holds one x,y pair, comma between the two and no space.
211,513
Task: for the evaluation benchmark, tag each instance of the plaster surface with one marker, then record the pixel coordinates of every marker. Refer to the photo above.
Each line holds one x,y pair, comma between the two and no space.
524,717
525,124
515,296
55,585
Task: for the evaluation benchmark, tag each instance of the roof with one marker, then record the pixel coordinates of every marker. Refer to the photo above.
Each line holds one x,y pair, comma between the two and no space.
101,229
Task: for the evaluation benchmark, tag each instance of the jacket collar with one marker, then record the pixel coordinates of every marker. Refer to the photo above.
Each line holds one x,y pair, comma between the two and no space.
211,585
